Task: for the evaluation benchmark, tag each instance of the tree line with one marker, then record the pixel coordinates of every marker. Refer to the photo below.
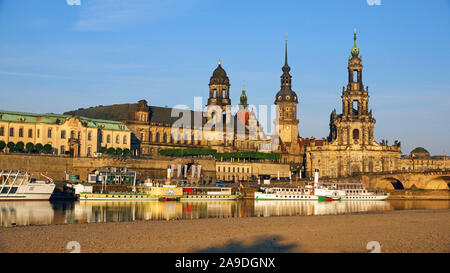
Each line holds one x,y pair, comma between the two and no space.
213,152
29,147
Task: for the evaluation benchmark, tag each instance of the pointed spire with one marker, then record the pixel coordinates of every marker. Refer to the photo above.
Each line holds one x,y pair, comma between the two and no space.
286,67
355,49
285,51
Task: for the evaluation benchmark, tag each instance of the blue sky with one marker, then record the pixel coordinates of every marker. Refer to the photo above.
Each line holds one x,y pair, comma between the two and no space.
55,57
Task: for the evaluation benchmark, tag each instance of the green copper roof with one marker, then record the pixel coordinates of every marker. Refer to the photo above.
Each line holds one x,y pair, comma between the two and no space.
50,118
243,99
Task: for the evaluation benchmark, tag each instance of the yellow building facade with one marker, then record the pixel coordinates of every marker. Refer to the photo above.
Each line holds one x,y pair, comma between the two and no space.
77,136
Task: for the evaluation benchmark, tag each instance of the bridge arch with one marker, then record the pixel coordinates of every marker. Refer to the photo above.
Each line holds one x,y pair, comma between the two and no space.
438,183
389,183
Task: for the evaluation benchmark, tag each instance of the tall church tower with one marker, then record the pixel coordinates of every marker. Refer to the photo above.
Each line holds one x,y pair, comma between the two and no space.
219,88
355,125
287,101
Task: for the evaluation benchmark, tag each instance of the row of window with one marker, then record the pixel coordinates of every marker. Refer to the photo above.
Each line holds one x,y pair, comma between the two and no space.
30,133
63,134
108,139
21,132
232,177
235,169
165,138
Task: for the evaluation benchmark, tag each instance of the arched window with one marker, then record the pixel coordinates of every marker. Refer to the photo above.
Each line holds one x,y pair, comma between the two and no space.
355,106
150,136
356,134
117,140
108,139
355,75
124,139
165,138
157,137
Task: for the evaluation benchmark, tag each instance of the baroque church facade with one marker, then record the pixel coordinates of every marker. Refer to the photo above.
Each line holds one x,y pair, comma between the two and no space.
350,147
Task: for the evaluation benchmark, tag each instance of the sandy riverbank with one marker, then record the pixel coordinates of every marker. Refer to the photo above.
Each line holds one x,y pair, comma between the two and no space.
397,231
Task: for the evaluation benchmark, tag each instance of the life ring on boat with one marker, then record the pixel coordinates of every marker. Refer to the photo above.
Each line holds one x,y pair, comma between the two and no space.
335,193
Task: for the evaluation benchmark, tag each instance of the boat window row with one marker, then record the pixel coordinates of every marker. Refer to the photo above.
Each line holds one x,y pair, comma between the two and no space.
294,196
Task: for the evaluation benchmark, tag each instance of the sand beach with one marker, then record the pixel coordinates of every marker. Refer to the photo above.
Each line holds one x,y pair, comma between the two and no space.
396,231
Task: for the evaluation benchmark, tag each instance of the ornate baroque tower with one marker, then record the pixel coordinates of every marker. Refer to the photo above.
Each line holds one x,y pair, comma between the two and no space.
219,88
287,101
355,125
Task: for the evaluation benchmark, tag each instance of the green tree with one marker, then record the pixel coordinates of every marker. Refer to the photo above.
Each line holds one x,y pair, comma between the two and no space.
111,151
29,147
19,146
102,150
11,146
48,148
39,147
126,152
119,151
2,145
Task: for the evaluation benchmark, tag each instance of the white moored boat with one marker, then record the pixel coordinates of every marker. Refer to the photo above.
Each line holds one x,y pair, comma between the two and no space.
286,193
348,191
16,185
323,191
345,191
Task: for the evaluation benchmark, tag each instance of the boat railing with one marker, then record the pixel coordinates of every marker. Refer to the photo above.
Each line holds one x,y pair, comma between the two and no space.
48,178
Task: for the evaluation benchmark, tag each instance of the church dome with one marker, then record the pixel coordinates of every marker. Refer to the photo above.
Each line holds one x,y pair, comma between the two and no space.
420,152
219,76
286,95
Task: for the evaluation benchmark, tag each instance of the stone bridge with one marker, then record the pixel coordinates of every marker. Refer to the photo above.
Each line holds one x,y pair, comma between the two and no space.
426,180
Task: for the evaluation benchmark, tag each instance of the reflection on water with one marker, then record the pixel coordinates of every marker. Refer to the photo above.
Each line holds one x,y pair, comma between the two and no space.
46,213
278,208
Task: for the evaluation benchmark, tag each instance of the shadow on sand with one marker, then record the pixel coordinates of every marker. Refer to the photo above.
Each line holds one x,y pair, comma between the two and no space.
262,244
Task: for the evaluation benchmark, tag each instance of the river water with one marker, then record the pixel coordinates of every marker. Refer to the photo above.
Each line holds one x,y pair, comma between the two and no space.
24,213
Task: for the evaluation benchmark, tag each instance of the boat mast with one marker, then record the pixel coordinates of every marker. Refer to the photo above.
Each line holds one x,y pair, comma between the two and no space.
134,182
316,178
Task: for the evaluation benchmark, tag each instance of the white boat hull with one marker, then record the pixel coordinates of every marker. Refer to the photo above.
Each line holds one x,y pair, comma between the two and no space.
28,192
364,197
276,196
